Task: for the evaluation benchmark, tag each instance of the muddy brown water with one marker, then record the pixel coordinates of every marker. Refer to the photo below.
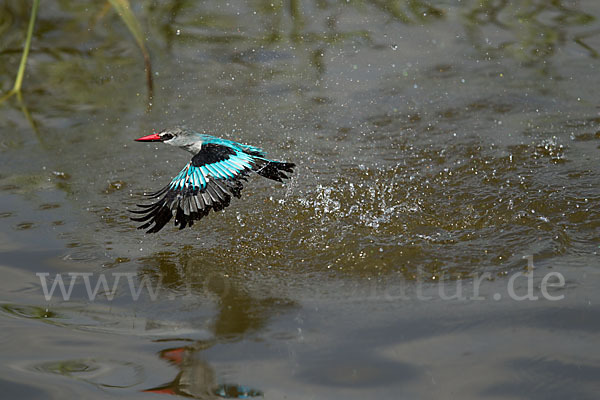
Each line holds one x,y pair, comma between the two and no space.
442,147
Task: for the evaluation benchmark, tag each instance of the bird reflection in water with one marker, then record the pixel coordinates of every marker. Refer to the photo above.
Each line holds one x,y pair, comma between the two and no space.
196,378
239,314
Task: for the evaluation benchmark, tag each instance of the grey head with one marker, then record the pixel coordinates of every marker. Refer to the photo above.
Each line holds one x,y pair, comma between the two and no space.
179,136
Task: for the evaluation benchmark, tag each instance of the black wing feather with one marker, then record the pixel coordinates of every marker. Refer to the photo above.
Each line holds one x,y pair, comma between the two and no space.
188,202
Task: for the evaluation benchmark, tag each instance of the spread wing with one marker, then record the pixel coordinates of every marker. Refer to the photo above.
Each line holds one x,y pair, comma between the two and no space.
208,181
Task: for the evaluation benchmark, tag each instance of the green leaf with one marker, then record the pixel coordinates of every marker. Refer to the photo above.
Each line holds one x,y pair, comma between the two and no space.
123,8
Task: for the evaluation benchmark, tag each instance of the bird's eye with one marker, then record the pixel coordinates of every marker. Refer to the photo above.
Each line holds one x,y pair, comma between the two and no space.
166,136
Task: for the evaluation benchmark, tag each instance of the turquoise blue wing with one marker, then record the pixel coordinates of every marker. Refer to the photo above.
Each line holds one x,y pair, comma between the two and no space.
190,178
206,166
208,182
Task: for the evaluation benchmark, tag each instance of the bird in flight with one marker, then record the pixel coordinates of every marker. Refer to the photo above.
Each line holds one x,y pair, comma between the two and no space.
208,181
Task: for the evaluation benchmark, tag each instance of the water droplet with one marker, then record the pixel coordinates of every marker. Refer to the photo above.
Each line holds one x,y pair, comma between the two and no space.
394,47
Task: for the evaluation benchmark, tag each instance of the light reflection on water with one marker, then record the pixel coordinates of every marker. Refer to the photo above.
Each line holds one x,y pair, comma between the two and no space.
433,141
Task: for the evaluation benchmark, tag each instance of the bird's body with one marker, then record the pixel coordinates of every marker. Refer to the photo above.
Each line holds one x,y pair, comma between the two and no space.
208,181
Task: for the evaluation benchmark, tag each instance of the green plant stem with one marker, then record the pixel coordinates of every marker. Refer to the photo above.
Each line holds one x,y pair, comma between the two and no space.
21,73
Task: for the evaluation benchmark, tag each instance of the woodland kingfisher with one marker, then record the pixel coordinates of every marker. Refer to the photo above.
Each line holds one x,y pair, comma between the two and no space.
208,181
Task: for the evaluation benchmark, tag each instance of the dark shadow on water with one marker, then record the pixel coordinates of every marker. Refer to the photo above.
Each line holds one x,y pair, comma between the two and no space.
352,368
547,379
12,390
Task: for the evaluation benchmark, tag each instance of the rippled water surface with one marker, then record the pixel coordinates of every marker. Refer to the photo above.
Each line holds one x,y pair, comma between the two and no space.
442,147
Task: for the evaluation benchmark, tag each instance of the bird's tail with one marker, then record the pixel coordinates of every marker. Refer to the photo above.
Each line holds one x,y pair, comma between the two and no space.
273,169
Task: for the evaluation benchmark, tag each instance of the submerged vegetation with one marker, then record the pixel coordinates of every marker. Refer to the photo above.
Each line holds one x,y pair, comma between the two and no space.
123,8
529,32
